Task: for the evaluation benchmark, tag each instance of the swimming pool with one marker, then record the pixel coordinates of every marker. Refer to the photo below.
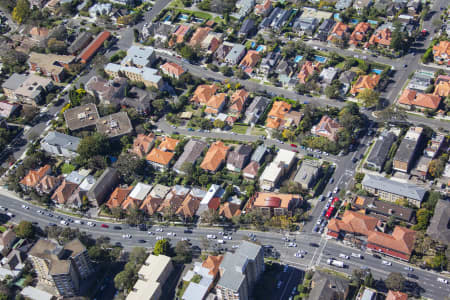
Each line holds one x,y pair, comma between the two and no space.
376,71
252,45
167,18
373,22
260,48
298,58
337,17
183,17
320,59
198,20
354,21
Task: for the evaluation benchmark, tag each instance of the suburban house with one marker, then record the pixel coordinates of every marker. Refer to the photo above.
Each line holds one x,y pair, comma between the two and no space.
441,52
60,144
229,210
115,125
328,286
190,204
172,70
256,109
174,199
215,157
142,144
237,101
264,8
269,62
34,177
277,114
407,151
239,157
305,25
346,78
324,29
384,210
80,43
359,33
381,37
192,151
216,103
359,5
211,199
328,128
50,65
103,187
390,190
438,228
161,156
400,244
63,192
279,167
396,295
274,204
328,75
247,28
339,32
139,99
244,8
203,93
307,174
434,145
199,35
442,86
235,55
379,153
154,199
353,223
250,60
137,195
365,82
118,196
179,34
251,170
48,184
8,109
412,99
343,4
308,69
81,117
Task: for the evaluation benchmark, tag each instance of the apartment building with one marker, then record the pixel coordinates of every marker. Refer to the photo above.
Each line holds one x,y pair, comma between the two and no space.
60,268
407,151
276,169
240,271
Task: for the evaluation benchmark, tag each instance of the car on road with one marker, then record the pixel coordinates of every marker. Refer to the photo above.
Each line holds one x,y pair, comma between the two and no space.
185,239
235,246
171,234
51,224
187,231
408,269
10,215
294,291
298,254
62,222
442,280
159,238
91,224
126,236
386,263
118,244
117,227
294,145
150,233
159,230
411,275
104,226
293,245
357,255
25,207
314,245
141,241
211,236
342,255
79,222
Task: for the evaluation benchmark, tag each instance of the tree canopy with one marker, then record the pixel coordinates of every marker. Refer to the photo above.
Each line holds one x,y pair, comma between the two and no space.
162,247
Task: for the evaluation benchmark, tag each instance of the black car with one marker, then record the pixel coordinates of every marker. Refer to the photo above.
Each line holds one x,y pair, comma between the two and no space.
376,256
51,224
142,227
141,241
117,227
187,231
118,244
313,245
411,275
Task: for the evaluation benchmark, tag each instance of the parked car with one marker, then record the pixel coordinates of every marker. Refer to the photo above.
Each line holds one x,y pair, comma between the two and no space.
104,226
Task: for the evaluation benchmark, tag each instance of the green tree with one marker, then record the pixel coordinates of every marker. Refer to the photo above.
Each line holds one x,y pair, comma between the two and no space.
188,53
125,280
138,255
395,281
203,179
369,97
21,11
25,230
93,145
219,123
162,247
399,39
226,71
131,168
183,252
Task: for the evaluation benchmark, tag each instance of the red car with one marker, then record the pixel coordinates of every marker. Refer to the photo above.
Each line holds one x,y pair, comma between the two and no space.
294,145
104,226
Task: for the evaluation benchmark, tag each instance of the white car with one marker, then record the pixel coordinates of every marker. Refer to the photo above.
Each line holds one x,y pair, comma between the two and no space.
90,224
298,255
64,222
235,246
151,233
387,263
357,255
344,256
442,280
292,245
408,268
159,230
126,236
220,242
78,222
24,206
171,234
211,236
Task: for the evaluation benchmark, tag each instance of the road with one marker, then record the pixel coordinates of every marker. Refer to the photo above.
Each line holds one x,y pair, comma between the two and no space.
305,241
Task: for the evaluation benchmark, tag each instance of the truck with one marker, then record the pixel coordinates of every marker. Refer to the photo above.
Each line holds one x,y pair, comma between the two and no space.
335,263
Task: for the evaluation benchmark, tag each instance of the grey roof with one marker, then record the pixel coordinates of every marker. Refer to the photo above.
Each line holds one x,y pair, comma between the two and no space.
139,55
239,156
259,153
14,81
305,24
62,140
115,124
407,190
327,25
75,177
381,149
347,77
438,228
234,265
327,286
406,150
104,185
81,41
235,52
191,153
247,26
384,209
306,173
257,107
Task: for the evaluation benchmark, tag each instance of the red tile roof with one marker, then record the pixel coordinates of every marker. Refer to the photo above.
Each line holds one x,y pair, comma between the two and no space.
354,222
401,240
93,47
412,98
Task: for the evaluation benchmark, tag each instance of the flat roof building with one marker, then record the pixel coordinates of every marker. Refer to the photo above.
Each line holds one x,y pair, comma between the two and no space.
115,125
81,116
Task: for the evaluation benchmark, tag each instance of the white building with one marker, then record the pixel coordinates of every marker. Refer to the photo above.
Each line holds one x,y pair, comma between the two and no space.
276,169
60,144
100,9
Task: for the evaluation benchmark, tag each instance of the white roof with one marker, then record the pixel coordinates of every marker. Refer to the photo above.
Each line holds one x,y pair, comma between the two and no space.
87,183
284,156
210,194
271,172
140,191
139,55
35,293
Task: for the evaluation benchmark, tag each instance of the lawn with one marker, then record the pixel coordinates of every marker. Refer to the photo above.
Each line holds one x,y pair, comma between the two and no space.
240,129
258,131
198,14
2,228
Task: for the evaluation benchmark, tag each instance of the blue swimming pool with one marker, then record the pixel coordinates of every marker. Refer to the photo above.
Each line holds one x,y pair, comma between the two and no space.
320,59
376,71
167,18
252,45
354,21
337,17
260,48
183,17
298,58
373,22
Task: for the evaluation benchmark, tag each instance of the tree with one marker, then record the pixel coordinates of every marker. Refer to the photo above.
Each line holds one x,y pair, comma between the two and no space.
369,97
333,91
183,252
138,255
210,216
188,53
392,113
131,168
25,230
399,40
56,46
92,145
162,247
125,279
21,11
219,123
203,179
288,134
226,71
395,281
135,216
